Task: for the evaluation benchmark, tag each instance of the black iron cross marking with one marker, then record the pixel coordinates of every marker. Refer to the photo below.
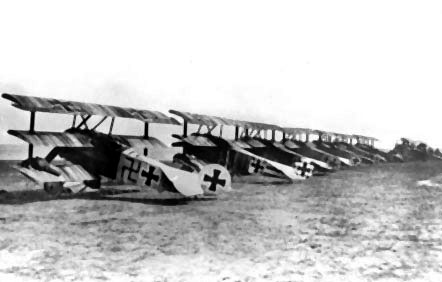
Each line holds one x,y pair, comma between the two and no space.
214,180
150,175
256,164
133,168
304,169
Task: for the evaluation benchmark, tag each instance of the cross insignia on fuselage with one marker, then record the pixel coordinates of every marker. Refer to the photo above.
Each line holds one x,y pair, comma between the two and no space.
150,175
214,180
304,169
256,164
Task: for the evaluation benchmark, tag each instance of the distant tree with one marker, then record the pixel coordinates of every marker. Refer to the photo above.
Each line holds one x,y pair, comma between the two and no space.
422,147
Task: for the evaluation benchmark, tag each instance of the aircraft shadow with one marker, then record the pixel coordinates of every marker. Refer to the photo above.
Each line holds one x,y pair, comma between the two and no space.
32,196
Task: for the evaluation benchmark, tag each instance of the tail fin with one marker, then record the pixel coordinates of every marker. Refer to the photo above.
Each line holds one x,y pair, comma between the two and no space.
215,178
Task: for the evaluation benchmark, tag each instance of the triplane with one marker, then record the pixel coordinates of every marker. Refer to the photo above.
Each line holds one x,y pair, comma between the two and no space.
245,154
208,158
92,157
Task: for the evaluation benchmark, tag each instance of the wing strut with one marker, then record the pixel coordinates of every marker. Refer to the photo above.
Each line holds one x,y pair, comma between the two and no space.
185,129
111,125
84,122
146,130
31,130
74,121
100,122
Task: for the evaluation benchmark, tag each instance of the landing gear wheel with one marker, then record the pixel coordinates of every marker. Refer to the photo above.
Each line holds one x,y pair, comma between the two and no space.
53,188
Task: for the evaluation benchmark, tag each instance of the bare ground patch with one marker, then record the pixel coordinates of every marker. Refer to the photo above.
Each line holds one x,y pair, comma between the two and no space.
370,223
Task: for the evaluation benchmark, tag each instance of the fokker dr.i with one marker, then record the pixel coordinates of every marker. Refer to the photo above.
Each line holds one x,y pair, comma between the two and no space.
92,157
239,155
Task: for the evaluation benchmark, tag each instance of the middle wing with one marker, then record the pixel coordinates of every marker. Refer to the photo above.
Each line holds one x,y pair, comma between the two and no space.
78,139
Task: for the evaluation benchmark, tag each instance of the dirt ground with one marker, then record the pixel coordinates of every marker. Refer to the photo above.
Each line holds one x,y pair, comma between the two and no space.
365,224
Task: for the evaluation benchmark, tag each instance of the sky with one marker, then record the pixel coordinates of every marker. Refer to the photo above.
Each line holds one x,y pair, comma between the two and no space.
356,67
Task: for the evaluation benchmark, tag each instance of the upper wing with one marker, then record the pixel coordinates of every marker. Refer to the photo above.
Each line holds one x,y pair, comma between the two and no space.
204,119
215,120
39,104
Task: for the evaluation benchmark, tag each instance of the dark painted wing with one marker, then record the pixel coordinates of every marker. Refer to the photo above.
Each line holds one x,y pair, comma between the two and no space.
67,173
64,139
58,139
204,119
39,104
197,141
215,120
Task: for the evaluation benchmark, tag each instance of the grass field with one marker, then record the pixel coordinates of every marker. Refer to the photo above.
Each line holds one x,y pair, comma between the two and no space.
365,224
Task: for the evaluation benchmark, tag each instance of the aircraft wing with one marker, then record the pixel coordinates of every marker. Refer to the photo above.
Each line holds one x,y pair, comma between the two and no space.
147,172
65,139
67,173
215,120
204,119
198,141
39,104
60,139
240,144
291,145
254,143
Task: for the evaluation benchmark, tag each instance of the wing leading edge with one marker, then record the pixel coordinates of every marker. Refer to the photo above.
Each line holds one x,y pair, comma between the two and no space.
39,104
